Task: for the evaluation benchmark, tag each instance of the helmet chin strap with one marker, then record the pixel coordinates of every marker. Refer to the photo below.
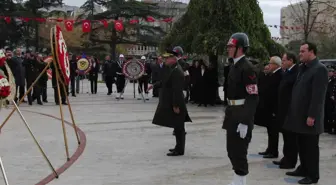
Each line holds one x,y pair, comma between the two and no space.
235,53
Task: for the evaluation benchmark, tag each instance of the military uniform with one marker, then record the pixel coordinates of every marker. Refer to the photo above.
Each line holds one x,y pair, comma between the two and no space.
171,95
242,94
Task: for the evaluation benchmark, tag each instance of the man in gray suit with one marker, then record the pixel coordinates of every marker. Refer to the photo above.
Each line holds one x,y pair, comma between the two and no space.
306,112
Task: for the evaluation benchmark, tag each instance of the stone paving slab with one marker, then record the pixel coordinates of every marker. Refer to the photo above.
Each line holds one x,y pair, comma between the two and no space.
124,148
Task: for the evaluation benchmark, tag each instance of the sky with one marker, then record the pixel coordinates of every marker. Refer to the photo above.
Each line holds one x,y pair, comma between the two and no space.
270,8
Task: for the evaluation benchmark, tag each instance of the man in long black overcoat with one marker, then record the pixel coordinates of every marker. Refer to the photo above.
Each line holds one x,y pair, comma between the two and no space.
171,110
306,112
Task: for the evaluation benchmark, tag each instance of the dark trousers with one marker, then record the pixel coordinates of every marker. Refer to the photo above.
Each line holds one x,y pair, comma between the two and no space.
309,153
273,139
109,81
120,83
237,150
36,92
21,90
63,98
290,148
73,84
155,90
143,85
93,83
44,90
180,136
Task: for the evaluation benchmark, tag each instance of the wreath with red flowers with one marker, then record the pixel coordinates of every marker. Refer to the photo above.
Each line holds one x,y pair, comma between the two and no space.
4,88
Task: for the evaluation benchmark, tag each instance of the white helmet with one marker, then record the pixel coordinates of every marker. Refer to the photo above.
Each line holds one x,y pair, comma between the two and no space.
143,58
121,56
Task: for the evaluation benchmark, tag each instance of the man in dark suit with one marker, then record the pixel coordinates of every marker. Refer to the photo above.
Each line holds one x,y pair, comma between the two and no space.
290,149
95,66
271,102
172,110
306,112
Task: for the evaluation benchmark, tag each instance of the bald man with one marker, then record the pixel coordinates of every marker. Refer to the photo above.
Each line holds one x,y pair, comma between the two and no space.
270,107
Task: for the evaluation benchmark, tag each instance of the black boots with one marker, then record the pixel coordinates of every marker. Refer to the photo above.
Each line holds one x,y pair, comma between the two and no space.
180,145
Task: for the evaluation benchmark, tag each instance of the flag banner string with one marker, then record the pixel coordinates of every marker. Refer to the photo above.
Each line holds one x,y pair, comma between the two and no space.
86,24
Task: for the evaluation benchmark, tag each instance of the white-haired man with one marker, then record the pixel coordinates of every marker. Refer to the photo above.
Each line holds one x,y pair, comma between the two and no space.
270,100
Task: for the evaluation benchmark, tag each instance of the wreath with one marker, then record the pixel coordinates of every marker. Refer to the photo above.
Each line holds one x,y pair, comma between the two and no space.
4,89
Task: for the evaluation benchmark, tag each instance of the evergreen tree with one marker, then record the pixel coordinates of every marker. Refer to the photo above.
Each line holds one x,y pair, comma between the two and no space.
9,34
141,33
33,9
207,26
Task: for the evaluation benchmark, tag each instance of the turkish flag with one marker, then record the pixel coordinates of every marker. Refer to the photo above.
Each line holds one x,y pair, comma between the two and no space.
118,25
8,20
169,19
104,23
150,19
86,26
68,25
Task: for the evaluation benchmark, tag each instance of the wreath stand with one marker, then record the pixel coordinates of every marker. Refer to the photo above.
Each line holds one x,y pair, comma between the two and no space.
3,172
54,43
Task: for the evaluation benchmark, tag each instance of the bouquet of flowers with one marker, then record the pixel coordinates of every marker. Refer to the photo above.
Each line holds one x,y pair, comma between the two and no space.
4,89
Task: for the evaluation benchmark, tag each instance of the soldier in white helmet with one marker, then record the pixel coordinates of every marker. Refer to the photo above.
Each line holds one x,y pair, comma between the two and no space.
144,79
120,77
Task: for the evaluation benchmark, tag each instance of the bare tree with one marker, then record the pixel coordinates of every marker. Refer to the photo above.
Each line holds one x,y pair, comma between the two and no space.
311,17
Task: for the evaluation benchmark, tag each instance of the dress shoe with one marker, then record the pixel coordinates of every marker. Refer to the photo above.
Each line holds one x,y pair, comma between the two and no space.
172,150
270,156
286,166
308,180
263,153
277,162
175,153
64,103
296,173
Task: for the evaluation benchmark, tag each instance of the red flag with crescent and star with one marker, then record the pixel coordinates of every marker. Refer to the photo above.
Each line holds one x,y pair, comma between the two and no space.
118,25
86,26
68,25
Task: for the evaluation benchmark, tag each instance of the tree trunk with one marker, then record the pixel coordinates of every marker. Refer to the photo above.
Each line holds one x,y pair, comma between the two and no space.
307,27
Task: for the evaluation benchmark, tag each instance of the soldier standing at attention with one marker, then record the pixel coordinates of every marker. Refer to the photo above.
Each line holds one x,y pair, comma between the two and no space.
242,103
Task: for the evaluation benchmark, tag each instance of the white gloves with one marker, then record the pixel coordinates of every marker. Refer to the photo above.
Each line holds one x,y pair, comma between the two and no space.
242,130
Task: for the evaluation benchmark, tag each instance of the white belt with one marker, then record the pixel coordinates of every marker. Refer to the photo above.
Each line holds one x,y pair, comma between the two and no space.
236,102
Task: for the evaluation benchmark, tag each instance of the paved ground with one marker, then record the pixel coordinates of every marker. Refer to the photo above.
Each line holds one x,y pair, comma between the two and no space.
124,148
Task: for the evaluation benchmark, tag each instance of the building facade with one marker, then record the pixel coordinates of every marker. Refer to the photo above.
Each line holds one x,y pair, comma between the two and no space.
294,21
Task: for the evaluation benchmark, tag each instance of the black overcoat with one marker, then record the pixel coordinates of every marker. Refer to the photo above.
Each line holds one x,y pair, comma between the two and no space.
171,95
285,94
308,97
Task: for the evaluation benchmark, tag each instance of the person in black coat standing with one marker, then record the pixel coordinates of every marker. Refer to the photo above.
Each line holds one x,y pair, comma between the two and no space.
271,102
94,75
73,74
172,110
306,112
290,149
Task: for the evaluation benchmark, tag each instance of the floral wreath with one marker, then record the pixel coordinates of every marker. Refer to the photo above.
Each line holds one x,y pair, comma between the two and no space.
4,89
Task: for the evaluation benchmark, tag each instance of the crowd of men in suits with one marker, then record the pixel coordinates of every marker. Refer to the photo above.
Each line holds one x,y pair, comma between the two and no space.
297,99
27,66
